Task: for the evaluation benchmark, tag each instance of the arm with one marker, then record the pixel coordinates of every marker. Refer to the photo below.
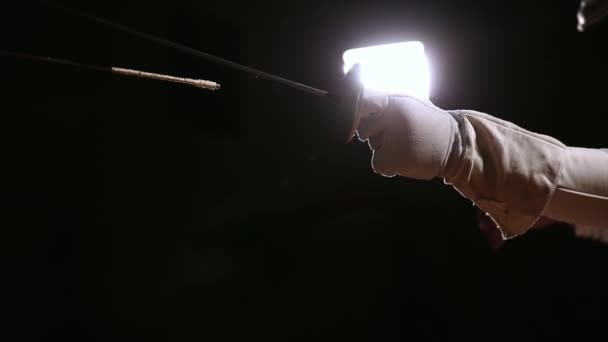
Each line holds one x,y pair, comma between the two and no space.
510,173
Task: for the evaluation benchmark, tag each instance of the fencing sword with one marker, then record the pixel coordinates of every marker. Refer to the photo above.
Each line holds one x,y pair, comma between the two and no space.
197,83
346,98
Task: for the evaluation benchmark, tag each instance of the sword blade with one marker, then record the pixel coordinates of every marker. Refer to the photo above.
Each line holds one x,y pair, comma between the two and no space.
188,50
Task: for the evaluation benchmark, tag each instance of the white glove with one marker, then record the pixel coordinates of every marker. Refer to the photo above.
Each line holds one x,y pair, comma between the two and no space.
508,172
409,137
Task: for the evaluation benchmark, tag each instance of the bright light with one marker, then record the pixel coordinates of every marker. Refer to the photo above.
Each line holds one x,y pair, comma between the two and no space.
400,68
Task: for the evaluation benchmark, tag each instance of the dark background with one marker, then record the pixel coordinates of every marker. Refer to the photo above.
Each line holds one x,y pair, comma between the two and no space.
134,208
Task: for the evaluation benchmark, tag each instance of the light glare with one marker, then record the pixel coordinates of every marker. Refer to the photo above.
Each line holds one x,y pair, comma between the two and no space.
400,68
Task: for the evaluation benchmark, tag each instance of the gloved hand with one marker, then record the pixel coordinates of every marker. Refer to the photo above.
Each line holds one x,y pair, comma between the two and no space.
508,172
409,137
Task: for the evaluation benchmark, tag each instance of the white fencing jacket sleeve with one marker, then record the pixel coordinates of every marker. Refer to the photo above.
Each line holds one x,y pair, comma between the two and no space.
516,176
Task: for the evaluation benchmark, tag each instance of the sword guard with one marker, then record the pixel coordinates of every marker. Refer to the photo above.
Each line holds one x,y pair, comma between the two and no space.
347,99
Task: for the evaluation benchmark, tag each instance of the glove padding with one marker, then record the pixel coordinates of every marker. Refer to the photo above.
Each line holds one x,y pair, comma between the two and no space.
409,137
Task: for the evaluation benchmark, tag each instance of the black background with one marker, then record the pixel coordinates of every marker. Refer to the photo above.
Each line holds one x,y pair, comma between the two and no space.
134,208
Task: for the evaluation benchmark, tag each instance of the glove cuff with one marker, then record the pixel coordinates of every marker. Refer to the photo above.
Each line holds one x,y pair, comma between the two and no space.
507,171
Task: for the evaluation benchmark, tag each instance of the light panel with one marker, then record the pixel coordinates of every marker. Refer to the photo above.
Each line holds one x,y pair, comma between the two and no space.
400,68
